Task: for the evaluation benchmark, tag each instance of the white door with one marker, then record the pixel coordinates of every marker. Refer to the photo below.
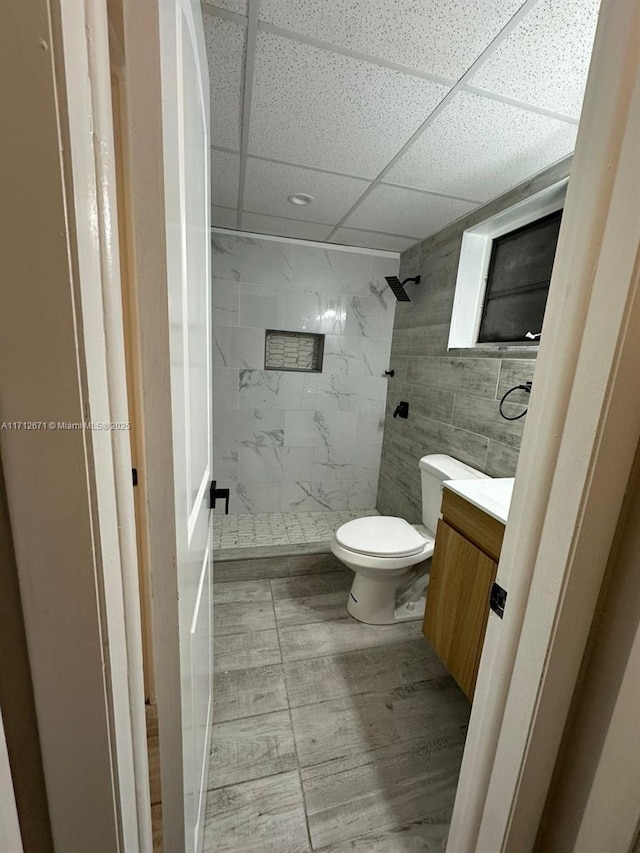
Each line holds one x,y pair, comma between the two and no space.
185,119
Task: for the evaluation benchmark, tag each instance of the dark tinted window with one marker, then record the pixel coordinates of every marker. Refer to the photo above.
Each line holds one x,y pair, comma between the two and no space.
518,281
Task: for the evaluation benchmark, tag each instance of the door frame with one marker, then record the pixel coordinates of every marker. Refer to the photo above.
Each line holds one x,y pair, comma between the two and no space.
140,104
575,462
69,490
552,564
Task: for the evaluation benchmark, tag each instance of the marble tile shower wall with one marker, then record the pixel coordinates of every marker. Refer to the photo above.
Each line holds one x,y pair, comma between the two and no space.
286,441
453,395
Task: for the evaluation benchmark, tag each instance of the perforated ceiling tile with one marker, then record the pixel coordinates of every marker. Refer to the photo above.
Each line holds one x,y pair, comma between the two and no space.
442,37
225,42
284,227
371,240
223,217
239,6
322,109
267,186
401,211
478,148
544,61
225,170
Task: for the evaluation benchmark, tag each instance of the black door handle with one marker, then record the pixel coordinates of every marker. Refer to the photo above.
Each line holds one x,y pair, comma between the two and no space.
218,494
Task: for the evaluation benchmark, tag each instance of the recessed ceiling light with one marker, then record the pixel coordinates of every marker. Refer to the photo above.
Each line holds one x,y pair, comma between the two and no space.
300,198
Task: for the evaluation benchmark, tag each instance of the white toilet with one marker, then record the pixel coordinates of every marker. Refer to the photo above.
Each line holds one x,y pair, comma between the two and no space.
388,554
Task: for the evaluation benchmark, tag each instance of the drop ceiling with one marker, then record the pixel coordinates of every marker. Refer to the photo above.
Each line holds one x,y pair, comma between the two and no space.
397,116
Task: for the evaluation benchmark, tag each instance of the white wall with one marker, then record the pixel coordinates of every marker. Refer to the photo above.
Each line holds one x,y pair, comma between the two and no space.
286,441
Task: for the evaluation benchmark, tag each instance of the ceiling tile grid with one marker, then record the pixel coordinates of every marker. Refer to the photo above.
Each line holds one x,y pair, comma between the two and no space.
224,217
343,97
268,185
477,149
317,108
440,37
368,239
545,59
416,214
282,227
237,6
225,175
225,43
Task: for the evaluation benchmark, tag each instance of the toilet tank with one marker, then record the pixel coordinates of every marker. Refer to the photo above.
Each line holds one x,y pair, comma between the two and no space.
434,470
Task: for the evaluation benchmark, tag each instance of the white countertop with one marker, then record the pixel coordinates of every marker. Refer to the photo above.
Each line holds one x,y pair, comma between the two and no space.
492,495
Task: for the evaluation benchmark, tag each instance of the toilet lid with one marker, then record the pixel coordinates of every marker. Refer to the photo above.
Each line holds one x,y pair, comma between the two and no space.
381,536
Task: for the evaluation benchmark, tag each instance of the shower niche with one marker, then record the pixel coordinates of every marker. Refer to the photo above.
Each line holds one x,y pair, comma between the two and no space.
297,351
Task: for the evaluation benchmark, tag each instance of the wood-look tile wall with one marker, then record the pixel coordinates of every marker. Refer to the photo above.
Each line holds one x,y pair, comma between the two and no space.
453,395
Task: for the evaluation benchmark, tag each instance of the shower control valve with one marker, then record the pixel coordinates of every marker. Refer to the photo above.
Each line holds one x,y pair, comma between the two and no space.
402,409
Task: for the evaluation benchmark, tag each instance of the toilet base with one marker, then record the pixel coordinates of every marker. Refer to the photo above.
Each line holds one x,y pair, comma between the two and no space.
373,600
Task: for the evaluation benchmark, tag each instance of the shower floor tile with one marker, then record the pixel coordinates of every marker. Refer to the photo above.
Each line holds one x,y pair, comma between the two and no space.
279,528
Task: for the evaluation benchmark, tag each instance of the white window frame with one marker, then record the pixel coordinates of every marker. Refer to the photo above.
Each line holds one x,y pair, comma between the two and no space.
473,268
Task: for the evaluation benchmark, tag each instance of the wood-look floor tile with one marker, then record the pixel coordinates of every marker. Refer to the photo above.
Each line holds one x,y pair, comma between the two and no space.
262,552
251,748
241,617
264,816
379,723
314,564
241,570
299,642
153,748
248,692
244,651
241,591
156,828
378,789
369,671
151,715
315,608
305,585
419,837
276,567
343,727
153,752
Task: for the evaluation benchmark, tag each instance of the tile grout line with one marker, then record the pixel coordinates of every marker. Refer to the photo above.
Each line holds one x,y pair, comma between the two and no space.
293,731
298,767
321,702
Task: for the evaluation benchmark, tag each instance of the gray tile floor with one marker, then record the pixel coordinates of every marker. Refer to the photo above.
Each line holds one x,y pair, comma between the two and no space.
329,735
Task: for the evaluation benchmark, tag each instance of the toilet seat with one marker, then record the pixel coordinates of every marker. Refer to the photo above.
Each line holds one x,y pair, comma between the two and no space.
381,536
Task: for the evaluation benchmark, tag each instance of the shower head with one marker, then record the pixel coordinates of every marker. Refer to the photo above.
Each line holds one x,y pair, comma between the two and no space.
398,286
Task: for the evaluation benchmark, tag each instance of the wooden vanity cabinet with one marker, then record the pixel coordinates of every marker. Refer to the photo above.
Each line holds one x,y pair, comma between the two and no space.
464,565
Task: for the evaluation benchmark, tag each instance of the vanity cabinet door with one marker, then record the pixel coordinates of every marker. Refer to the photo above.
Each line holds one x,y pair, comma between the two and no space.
458,604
